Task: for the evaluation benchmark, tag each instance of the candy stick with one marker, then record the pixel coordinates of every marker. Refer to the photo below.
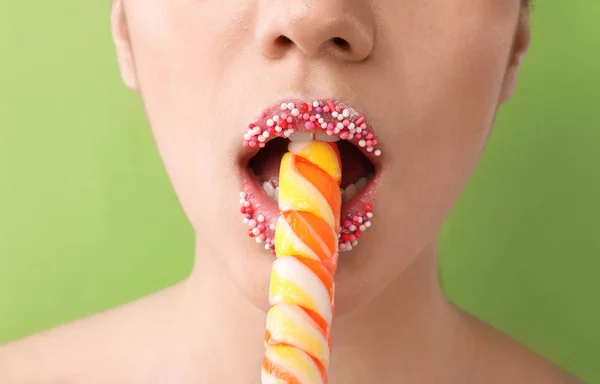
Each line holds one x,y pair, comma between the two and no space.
301,293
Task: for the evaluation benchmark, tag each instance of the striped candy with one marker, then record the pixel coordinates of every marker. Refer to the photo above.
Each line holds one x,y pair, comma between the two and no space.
301,293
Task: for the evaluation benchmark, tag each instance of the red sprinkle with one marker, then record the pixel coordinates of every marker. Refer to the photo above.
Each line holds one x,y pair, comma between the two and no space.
250,232
346,223
261,227
368,208
304,107
249,210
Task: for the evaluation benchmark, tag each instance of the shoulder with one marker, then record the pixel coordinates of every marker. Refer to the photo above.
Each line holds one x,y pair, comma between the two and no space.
107,347
496,358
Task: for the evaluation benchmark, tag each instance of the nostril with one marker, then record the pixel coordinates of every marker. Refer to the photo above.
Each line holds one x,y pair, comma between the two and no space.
283,41
341,43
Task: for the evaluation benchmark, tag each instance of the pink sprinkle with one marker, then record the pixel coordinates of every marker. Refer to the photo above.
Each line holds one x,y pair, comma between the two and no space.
289,120
329,132
326,109
363,126
338,108
309,125
306,116
262,145
346,223
346,122
284,116
330,126
252,144
369,143
360,120
254,138
330,105
262,236
344,135
374,142
261,227
370,135
357,136
245,144
313,119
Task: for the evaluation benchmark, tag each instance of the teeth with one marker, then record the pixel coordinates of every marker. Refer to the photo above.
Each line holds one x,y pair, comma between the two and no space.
276,195
301,136
361,183
349,193
326,138
269,190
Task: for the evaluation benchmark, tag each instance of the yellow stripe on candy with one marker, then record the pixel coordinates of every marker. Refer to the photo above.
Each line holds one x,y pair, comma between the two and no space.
289,324
324,155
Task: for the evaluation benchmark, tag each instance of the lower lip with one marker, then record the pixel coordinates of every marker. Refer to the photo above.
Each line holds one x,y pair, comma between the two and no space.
261,213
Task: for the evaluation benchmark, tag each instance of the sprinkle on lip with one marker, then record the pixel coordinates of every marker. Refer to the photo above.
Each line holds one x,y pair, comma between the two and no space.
330,118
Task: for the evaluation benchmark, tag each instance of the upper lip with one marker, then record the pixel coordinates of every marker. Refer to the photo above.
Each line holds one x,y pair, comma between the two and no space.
260,124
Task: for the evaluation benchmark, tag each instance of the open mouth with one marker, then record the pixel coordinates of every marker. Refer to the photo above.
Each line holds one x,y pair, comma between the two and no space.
293,123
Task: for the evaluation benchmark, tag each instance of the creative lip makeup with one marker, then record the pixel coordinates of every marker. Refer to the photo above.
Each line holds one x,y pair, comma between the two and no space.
292,122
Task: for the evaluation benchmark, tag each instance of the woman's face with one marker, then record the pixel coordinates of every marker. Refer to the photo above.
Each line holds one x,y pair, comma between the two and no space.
427,76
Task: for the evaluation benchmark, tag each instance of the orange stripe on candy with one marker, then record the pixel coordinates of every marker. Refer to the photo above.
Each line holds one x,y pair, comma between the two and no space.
316,234
322,325
323,182
321,272
322,369
278,373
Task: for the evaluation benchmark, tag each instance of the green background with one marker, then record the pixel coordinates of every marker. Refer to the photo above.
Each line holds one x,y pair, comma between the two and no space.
88,219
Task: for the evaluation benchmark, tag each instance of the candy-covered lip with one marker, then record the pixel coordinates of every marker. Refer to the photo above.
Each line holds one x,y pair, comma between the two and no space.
297,120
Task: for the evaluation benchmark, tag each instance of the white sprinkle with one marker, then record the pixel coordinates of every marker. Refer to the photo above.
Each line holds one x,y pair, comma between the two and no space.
369,149
260,218
265,133
243,195
258,239
278,129
261,139
246,204
340,117
242,201
378,152
362,143
362,228
340,125
346,113
318,116
267,247
343,247
368,224
247,136
321,120
256,130
255,231
252,223
351,126
272,227
350,136
270,122
359,219
358,130
284,106
295,112
291,106
276,118
352,228
324,125
315,104
336,130
355,243
245,221
334,114
370,215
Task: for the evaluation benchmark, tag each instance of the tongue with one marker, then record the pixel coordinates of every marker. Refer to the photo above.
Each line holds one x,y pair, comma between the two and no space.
267,161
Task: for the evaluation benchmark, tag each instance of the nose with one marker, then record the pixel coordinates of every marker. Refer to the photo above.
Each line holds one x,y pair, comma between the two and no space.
344,29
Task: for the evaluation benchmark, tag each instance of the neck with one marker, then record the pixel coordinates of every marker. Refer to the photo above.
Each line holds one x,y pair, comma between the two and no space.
397,326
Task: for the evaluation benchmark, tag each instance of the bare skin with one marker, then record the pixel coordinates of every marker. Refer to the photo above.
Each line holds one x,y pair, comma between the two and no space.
435,73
